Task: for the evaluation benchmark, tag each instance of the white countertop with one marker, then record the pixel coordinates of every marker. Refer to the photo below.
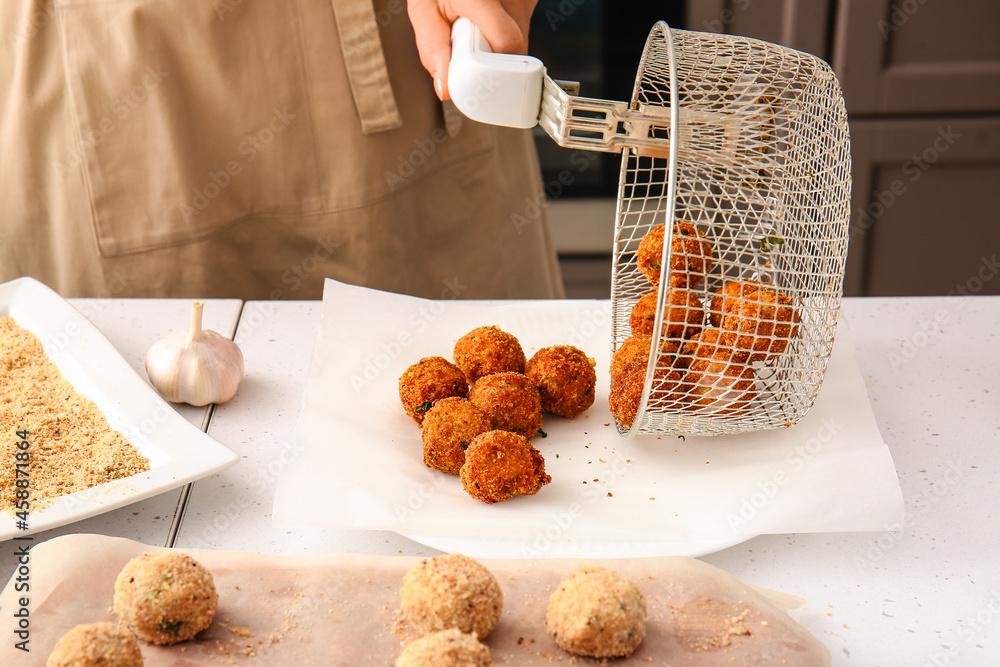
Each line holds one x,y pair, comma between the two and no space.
923,593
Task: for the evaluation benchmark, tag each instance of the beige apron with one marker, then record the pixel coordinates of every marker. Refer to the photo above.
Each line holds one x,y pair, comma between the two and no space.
248,148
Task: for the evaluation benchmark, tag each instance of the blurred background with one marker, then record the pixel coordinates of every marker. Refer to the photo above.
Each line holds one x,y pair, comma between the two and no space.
921,81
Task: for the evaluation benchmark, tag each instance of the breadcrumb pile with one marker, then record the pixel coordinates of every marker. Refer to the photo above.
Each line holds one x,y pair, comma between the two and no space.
71,446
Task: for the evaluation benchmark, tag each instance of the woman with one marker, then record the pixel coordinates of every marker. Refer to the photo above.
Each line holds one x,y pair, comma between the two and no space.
246,148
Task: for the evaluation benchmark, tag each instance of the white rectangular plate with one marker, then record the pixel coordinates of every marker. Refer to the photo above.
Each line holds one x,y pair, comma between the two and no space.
361,464
178,452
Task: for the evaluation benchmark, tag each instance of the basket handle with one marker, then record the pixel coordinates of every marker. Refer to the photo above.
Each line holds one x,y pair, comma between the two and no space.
494,88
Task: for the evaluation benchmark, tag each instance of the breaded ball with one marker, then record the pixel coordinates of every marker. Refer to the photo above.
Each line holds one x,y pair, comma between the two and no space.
720,385
165,597
428,381
488,350
510,401
720,377
684,314
96,645
690,255
628,375
500,465
714,343
565,378
447,648
451,591
447,430
635,350
762,318
597,612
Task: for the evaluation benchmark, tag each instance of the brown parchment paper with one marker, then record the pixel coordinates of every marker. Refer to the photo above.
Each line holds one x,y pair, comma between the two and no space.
342,609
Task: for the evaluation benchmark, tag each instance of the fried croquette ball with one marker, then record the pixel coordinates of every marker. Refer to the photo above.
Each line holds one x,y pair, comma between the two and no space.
500,465
690,255
488,350
762,318
428,381
722,385
684,314
628,375
451,591
447,648
597,612
165,597
510,401
96,645
565,378
715,343
447,430
635,350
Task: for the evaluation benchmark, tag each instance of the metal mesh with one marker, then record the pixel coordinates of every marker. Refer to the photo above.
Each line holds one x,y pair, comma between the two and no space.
741,342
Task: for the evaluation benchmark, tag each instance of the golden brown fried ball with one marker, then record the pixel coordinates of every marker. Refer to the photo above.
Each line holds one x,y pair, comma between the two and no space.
510,401
626,391
714,343
690,255
762,318
428,381
597,612
165,597
488,350
635,350
447,648
628,375
447,430
500,465
723,386
565,378
96,645
451,591
684,314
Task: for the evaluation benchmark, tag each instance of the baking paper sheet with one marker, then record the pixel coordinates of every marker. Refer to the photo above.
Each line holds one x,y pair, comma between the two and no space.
360,458
342,609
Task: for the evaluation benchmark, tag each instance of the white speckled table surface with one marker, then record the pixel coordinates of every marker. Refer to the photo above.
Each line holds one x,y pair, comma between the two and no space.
925,591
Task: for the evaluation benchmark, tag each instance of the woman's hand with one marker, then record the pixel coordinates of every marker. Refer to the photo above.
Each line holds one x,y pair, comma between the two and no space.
504,24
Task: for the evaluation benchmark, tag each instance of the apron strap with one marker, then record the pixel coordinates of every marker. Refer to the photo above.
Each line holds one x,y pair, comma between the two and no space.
365,62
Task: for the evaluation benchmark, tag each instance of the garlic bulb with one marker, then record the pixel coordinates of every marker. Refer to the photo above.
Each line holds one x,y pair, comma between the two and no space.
197,366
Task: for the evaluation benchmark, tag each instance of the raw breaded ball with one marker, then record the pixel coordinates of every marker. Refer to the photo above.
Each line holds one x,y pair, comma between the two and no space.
451,591
488,350
96,645
684,314
447,648
447,430
500,465
565,378
597,612
428,381
690,255
762,318
510,401
165,597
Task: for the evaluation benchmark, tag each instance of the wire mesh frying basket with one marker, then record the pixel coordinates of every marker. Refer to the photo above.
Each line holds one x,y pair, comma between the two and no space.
731,227
723,320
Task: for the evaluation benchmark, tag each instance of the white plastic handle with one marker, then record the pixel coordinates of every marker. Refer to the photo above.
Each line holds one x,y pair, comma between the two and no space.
494,88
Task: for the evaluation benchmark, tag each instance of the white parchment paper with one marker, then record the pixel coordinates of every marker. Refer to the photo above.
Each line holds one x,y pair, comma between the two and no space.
342,610
361,459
